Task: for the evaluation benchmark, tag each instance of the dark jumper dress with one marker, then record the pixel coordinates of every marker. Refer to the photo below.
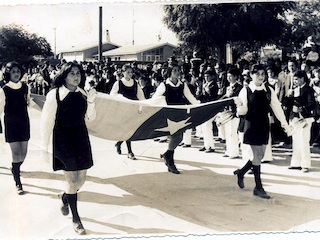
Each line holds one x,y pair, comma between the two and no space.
16,118
128,92
256,121
175,95
71,145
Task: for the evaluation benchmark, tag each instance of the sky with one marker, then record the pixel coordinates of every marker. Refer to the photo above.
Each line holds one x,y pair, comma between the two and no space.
68,25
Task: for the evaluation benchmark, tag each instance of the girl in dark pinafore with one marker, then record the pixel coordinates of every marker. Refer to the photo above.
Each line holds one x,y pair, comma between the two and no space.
64,113
14,99
254,103
130,89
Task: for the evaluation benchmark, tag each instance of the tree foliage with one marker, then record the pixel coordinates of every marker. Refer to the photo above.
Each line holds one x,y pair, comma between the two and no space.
303,22
206,27
16,44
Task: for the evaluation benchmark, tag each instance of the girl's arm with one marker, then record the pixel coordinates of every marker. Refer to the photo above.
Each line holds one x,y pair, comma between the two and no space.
91,107
2,100
278,112
140,94
242,103
160,91
48,116
115,88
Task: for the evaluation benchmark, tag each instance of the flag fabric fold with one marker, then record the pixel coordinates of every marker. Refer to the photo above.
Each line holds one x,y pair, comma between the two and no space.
122,119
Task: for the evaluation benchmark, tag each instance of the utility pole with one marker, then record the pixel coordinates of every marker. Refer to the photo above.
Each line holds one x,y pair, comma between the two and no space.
100,35
55,41
133,27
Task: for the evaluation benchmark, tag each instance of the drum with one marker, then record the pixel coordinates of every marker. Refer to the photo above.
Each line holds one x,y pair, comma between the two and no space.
223,117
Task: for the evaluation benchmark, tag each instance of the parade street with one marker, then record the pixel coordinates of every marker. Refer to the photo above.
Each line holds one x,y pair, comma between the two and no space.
123,197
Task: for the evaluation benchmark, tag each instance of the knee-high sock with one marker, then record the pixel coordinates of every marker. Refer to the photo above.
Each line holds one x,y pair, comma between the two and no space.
16,172
246,168
72,200
129,146
257,176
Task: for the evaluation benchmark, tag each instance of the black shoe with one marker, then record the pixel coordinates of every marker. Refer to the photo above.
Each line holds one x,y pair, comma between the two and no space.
202,149
118,146
240,178
64,205
19,189
173,169
295,168
78,228
266,161
260,193
223,141
209,150
186,145
131,156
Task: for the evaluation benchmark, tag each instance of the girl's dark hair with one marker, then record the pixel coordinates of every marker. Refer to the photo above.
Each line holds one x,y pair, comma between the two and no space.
7,69
302,74
125,67
61,76
233,71
257,67
169,69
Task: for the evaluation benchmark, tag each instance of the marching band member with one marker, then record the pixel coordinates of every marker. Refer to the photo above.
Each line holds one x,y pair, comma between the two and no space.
303,108
231,127
209,93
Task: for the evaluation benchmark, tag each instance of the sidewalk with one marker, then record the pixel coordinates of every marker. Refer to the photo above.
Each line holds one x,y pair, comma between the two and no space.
123,198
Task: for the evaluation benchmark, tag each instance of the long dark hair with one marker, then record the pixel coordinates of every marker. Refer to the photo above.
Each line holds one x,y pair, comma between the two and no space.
61,76
7,69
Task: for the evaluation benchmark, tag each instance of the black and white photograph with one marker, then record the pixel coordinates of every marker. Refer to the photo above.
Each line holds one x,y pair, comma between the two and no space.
157,119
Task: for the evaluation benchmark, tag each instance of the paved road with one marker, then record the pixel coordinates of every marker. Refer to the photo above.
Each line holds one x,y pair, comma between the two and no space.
123,198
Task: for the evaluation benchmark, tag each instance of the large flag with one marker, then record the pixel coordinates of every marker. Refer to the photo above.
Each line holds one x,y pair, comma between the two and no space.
123,119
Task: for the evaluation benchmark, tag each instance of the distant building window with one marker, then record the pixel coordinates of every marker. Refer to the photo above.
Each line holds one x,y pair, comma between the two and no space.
148,58
117,58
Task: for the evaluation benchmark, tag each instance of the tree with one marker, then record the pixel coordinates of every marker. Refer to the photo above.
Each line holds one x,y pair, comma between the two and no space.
16,44
303,22
206,28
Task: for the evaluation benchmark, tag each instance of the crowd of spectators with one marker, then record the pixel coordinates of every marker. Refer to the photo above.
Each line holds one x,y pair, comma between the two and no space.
102,75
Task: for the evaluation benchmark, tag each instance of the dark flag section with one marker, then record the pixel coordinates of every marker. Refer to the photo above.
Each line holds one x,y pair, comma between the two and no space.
122,119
